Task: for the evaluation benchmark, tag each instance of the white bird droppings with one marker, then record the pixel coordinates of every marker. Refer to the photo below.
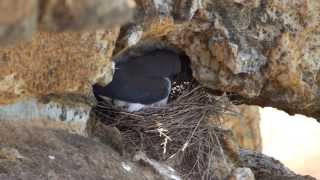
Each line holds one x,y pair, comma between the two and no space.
51,157
126,166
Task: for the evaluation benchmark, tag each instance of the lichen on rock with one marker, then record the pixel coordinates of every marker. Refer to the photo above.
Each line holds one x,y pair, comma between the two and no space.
56,64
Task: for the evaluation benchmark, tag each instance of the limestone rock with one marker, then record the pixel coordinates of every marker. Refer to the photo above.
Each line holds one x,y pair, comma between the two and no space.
261,52
19,19
241,174
244,122
70,113
29,153
61,15
267,168
56,63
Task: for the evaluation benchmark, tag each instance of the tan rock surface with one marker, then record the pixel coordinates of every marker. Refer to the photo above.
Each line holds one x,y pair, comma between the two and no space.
20,19
56,63
268,168
61,15
244,122
262,52
17,20
47,152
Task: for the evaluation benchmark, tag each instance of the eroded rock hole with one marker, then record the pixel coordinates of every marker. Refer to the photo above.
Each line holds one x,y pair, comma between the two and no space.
152,79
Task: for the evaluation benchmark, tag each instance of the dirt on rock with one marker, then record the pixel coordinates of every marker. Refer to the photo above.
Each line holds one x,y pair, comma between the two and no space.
29,153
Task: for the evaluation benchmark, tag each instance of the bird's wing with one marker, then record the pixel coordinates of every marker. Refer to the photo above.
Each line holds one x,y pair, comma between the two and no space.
161,63
136,89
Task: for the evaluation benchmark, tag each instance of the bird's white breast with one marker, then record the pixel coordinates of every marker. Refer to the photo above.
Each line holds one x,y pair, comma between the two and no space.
133,107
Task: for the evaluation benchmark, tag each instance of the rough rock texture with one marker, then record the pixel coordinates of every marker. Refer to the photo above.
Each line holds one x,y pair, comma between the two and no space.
47,151
61,15
261,52
267,168
56,63
244,122
19,19
242,174
29,153
69,112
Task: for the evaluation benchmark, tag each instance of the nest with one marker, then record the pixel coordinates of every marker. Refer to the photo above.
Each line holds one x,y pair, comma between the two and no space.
183,134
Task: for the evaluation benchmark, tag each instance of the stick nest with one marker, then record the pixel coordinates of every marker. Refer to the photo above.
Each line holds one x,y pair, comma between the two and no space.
184,133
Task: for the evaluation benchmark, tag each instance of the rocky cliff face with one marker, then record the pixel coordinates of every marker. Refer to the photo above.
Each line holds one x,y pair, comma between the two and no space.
261,52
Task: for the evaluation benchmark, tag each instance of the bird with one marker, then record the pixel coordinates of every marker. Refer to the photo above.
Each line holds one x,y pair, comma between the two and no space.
142,81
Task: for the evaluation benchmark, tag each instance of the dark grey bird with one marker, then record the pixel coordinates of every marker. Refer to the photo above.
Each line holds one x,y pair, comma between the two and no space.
141,81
